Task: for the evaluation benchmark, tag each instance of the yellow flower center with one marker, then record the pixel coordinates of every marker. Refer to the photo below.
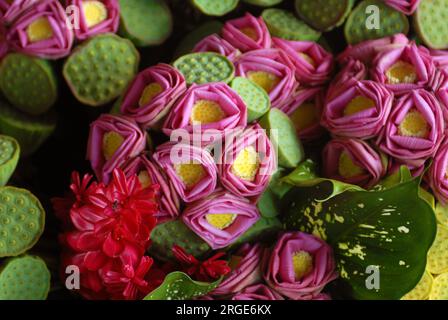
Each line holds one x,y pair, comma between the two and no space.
302,263
206,111
220,220
358,104
250,32
111,143
308,59
347,168
305,116
94,12
150,92
246,164
190,173
39,30
266,80
144,178
401,72
414,125
234,262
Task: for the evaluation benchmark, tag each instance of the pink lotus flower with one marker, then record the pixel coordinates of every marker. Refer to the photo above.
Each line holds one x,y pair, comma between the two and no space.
299,266
305,109
415,127
42,31
191,169
221,218
416,167
150,173
214,43
404,69
437,174
367,50
246,271
211,106
322,296
272,70
152,94
96,17
248,163
3,43
112,141
440,58
11,9
353,161
257,292
351,72
408,7
313,64
359,111
247,33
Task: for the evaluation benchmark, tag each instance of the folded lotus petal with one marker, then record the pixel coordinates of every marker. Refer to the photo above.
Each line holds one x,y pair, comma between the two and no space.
113,140
3,43
42,31
322,296
247,33
416,167
353,161
415,127
360,111
247,163
191,169
221,218
150,172
437,173
257,292
407,7
214,43
440,58
367,50
299,266
89,27
313,64
211,107
152,94
352,71
11,9
404,69
246,272
272,70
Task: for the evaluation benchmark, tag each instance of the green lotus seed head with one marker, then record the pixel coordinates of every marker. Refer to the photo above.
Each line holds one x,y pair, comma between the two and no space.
256,99
422,289
283,135
284,24
430,23
22,221
175,232
390,22
24,278
442,214
9,157
263,3
100,69
145,22
439,289
438,253
29,131
215,8
205,67
28,83
324,15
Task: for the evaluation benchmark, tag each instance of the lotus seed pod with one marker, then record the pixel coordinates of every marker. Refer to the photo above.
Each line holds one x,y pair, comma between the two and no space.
391,22
263,3
429,22
28,83
96,17
22,220
11,9
145,22
283,24
205,67
422,289
440,288
24,278
30,132
438,253
282,133
255,98
214,43
166,235
215,8
114,61
324,15
9,157
442,214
